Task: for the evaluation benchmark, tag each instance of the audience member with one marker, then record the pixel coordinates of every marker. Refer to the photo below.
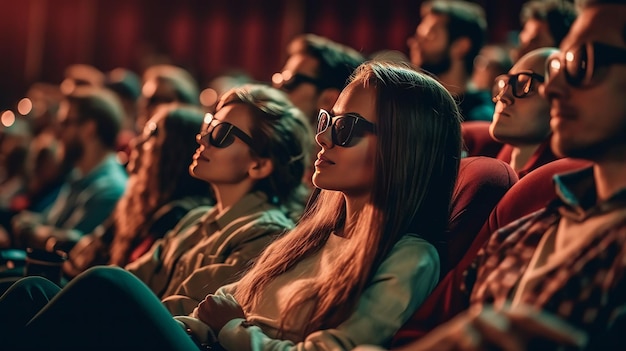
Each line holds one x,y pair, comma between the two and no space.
544,24
492,61
41,159
253,153
46,165
79,74
163,84
90,119
353,270
158,195
14,141
14,144
127,85
555,278
522,117
316,70
446,42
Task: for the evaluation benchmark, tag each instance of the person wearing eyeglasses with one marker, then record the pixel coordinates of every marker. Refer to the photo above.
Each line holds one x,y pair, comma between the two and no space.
161,84
521,120
314,73
253,153
554,280
352,271
159,194
89,122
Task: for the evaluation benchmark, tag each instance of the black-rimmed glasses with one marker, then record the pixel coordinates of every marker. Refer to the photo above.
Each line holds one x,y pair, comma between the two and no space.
288,81
344,127
222,134
583,65
522,84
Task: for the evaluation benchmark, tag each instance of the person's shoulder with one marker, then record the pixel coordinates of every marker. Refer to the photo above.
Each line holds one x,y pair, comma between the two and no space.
273,217
413,246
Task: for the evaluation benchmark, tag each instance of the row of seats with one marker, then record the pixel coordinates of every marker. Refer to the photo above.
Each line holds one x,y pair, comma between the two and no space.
487,197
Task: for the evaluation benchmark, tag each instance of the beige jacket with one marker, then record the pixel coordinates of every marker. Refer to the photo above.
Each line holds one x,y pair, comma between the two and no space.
215,248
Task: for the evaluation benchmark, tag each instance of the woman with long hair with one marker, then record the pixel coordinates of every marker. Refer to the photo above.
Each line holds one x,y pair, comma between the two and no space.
353,270
159,193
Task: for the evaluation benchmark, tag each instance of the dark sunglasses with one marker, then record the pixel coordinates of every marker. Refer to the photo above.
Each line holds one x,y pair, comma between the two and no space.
584,65
521,84
222,134
344,127
288,81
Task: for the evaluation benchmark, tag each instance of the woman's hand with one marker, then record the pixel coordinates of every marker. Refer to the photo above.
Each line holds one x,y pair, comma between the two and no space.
217,310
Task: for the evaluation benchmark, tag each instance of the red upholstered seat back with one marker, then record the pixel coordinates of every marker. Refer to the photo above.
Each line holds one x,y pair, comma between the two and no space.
477,140
531,193
482,181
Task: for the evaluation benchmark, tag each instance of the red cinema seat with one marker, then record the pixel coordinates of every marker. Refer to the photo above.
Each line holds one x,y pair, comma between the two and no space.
482,181
477,141
528,195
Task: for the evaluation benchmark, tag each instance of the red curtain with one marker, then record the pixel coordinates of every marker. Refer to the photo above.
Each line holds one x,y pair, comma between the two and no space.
39,38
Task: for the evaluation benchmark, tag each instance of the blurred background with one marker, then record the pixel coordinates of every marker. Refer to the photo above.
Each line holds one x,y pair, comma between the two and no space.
39,38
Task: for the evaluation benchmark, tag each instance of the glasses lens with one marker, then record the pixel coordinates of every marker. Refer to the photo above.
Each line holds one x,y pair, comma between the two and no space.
343,130
220,136
323,119
523,85
576,65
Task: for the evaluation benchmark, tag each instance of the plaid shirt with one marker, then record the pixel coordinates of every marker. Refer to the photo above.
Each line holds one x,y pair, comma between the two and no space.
586,288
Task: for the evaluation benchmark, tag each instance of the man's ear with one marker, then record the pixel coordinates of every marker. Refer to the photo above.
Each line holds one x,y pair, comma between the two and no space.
261,168
460,47
327,98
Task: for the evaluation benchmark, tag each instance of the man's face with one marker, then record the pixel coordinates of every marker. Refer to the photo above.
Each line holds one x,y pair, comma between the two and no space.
522,119
69,131
590,121
429,48
304,95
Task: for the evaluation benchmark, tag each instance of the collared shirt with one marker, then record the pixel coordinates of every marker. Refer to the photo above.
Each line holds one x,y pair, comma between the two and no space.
85,201
568,259
216,248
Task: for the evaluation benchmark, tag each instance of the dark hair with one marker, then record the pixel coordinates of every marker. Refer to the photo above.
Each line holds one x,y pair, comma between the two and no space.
161,181
183,83
282,133
465,19
558,14
336,61
103,107
125,83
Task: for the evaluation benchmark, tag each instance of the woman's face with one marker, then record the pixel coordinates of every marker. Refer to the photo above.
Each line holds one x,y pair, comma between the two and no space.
348,169
228,165
144,145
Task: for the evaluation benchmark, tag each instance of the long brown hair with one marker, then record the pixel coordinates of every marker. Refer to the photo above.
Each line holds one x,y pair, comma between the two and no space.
417,161
164,179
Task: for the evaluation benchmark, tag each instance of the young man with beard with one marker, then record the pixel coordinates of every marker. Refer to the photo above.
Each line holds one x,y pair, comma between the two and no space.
90,119
445,44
